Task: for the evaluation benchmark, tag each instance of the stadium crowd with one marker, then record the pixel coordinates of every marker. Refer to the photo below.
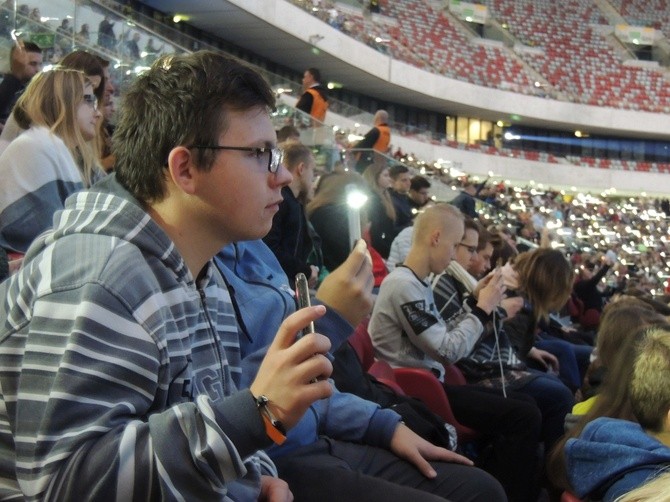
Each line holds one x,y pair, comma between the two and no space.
151,344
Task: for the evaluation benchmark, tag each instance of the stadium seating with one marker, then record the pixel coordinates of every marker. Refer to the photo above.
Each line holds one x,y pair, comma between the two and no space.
575,58
415,382
645,13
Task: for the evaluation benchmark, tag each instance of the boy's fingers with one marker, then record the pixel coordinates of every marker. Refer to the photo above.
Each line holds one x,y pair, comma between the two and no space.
295,323
357,258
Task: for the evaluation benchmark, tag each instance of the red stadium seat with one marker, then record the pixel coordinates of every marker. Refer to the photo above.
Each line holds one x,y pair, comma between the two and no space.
422,384
414,382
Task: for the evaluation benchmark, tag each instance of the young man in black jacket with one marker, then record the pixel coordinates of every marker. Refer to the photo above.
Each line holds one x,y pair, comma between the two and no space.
289,238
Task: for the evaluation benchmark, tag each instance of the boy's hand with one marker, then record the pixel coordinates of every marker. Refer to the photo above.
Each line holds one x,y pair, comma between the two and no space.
492,293
293,373
274,490
348,288
510,276
410,446
544,358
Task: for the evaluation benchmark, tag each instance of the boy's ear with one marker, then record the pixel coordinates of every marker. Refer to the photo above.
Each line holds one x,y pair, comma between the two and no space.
181,169
435,237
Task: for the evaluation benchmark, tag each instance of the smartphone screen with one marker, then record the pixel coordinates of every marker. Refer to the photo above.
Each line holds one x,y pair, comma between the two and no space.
302,297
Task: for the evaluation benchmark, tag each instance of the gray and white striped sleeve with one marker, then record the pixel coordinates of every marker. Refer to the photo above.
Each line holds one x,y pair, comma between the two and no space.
93,418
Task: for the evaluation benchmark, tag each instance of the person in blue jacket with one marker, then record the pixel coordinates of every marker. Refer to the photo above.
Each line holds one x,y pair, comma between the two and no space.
346,448
612,457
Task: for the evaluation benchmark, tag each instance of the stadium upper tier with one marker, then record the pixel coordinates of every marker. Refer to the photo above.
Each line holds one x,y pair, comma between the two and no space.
564,50
577,56
510,161
653,13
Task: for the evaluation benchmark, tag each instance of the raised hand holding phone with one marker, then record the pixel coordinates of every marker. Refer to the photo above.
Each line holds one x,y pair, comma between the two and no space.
510,276
293,373
490,290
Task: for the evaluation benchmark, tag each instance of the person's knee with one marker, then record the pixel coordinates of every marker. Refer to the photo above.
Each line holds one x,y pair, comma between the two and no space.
485,488
553,398
524,418
563,397
530,421
463,483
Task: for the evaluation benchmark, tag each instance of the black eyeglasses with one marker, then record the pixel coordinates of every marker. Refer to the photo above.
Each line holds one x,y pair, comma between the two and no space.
91,100
471,249
275,155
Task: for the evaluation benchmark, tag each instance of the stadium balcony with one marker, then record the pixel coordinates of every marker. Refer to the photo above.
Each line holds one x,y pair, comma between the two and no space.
510,163
574,56
429,42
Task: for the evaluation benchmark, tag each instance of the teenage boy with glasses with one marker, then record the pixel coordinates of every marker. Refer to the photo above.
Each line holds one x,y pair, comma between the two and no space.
119,345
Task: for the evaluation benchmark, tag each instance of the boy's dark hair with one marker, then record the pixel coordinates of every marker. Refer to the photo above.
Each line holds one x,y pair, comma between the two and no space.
182,100
485,237
396,170
316,74
470,224
31,47
418,183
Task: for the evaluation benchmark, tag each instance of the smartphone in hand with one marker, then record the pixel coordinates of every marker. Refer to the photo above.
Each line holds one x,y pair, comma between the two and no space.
302,297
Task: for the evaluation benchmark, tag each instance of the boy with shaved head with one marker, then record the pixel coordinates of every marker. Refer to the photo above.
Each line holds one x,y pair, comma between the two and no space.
406,304
408,330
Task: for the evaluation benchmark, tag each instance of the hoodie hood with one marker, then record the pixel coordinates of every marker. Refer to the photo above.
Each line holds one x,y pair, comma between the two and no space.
253,261
611,457
108,209
260,289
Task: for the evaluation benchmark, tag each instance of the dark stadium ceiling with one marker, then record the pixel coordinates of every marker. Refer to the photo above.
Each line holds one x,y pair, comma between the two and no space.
245,30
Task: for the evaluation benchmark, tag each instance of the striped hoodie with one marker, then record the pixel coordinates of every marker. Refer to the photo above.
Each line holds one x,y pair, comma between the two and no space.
118,371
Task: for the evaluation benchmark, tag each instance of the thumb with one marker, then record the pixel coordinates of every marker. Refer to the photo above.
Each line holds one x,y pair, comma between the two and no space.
295,323
356,259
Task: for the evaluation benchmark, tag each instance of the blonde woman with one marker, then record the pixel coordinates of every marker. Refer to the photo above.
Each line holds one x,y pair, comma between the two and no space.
93,68
53,158
611,456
